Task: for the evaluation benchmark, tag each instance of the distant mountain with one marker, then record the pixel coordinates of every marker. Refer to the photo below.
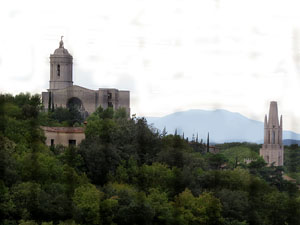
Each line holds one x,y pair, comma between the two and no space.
291,142
222,125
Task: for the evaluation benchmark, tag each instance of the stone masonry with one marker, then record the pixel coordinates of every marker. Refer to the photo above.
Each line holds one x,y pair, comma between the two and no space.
62,92
272,150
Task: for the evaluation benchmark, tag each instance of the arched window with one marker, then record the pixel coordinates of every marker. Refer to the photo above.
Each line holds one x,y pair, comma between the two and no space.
58,70
75,103
273,137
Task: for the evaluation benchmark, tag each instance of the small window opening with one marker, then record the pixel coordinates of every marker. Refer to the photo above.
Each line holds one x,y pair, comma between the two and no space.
52,142
109,96
273,137
58,70
72,142
110,104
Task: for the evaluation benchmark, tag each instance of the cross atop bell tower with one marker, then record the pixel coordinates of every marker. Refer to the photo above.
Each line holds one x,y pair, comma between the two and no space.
61,68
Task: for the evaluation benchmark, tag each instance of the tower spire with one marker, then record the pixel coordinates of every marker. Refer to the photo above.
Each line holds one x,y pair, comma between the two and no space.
273,115
272,149
266,121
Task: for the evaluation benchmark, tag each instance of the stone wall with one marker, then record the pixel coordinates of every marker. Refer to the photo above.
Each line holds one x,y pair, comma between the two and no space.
90,99
62,91
63,135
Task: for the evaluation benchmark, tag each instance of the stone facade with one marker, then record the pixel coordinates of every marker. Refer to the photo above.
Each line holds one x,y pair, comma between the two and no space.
272,150
62,92
65,136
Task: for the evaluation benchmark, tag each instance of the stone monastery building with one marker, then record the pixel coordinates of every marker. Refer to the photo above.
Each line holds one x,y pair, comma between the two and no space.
62,92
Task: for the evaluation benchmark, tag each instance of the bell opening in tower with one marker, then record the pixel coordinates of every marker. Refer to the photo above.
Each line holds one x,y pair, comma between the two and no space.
58,70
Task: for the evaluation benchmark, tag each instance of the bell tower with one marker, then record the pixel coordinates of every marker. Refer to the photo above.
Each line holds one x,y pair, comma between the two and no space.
61,63
272,149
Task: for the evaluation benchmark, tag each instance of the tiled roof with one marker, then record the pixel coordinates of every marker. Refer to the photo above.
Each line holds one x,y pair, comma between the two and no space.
64,129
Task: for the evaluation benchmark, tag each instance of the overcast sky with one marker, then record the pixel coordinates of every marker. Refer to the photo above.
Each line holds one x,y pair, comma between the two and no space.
172,55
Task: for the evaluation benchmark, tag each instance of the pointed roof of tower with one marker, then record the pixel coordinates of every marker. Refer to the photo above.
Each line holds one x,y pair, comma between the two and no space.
273,115
266,121
280,122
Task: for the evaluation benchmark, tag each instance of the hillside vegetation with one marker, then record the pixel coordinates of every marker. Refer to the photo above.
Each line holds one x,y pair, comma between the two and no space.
127,173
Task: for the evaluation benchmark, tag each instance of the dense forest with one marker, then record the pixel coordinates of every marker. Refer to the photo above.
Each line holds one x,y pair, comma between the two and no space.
127,173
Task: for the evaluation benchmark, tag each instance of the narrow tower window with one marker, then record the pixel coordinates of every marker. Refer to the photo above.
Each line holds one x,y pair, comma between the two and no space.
58,70
273,137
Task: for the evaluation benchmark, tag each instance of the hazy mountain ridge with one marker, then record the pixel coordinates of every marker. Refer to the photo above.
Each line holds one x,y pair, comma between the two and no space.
222,125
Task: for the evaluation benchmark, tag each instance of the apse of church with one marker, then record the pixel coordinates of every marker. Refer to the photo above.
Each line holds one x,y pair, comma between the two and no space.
62,92
272,150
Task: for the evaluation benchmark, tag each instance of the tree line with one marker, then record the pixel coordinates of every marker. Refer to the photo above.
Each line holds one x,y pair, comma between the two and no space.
126,172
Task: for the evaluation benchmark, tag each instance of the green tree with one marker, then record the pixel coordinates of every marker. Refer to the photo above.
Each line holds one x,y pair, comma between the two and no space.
27,198
155,176
163,209
216,161
7,206
276,204
204,209
8,164
173,149
237,155
235,204
71,157
86,201
99,159
133,206
66,116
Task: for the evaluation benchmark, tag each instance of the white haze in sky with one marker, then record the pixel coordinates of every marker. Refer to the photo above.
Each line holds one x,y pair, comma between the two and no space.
172,55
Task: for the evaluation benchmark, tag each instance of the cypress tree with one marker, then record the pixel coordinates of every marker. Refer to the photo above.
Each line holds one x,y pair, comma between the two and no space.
164,132
207,145
49,101
52,105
